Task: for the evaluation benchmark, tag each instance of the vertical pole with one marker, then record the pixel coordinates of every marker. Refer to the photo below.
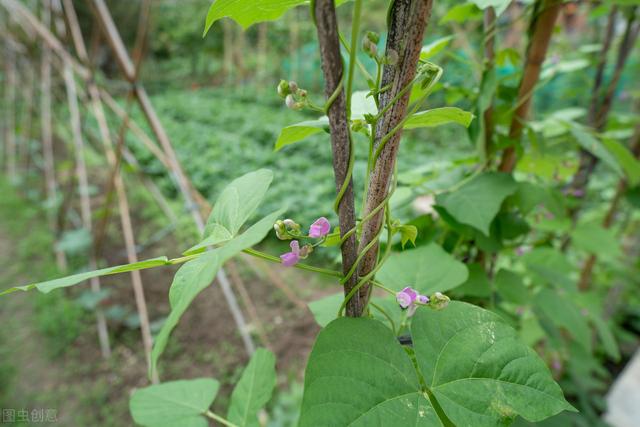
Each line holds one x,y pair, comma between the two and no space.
85,201
51,185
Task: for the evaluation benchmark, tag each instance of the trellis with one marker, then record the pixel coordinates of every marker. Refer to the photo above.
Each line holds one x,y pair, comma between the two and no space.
58,21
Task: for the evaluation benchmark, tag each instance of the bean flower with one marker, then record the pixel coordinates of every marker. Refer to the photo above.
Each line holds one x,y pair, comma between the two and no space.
290,259
409,298
319,228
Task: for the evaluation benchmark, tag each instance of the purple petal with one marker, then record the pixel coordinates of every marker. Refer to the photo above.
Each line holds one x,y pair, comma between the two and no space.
289,259
295,247
423,299
319,228
406,297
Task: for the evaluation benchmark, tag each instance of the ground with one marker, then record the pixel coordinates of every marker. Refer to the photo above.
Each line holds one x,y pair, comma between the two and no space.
86,390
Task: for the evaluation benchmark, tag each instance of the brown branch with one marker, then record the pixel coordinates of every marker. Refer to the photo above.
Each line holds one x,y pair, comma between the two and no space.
332,68
543,21
408,20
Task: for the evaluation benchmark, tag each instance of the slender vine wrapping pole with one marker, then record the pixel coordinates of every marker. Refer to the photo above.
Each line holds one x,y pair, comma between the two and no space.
332,68
489,23
545,14
407,23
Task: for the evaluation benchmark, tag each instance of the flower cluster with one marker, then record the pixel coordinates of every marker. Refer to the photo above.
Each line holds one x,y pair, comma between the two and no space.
410,299
288,229
294,97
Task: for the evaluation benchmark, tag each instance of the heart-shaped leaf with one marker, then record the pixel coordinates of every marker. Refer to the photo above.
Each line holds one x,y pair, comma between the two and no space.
176,403
427,269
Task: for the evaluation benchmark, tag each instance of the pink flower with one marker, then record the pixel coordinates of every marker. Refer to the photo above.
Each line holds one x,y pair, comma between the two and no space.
406,297
319,228
290,259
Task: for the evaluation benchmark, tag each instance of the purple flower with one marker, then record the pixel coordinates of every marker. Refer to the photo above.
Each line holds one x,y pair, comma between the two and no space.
290,259
410,299
319,228
406,297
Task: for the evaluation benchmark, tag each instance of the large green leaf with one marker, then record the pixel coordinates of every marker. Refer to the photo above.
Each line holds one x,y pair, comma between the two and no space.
197,274
427,269
511,287
299,131
438,117
248,12
479,371
551,266
470,359
237,202
593,145
64,282
253,390
625,158
478,201
597,240
176,403
358,375
565,314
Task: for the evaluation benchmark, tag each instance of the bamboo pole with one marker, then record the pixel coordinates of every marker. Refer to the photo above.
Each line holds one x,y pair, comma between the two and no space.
545,15
85,200
51,185
10,104
123,203
113,37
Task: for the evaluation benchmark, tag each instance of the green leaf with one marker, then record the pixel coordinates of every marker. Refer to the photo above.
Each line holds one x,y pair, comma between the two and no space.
499,5
427,269
470,360
551,266
299,131
478,201
511,287
563,313
479,371
248,12
176,403
237,202
325,309
408,233
63,282
595,239
461,13
439,117
477,284
435,47
253,390
593,145
359,376
197,274
625,158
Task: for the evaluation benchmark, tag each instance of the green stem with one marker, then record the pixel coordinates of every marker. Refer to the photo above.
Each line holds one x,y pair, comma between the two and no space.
219,419
385,314
355,29
301,266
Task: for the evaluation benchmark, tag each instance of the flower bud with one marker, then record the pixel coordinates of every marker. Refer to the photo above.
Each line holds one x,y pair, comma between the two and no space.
283,89
306,250
372,37
438,301
292,227
281,230
293,86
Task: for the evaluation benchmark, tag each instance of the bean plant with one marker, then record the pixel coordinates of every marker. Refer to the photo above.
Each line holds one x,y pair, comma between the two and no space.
398,347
